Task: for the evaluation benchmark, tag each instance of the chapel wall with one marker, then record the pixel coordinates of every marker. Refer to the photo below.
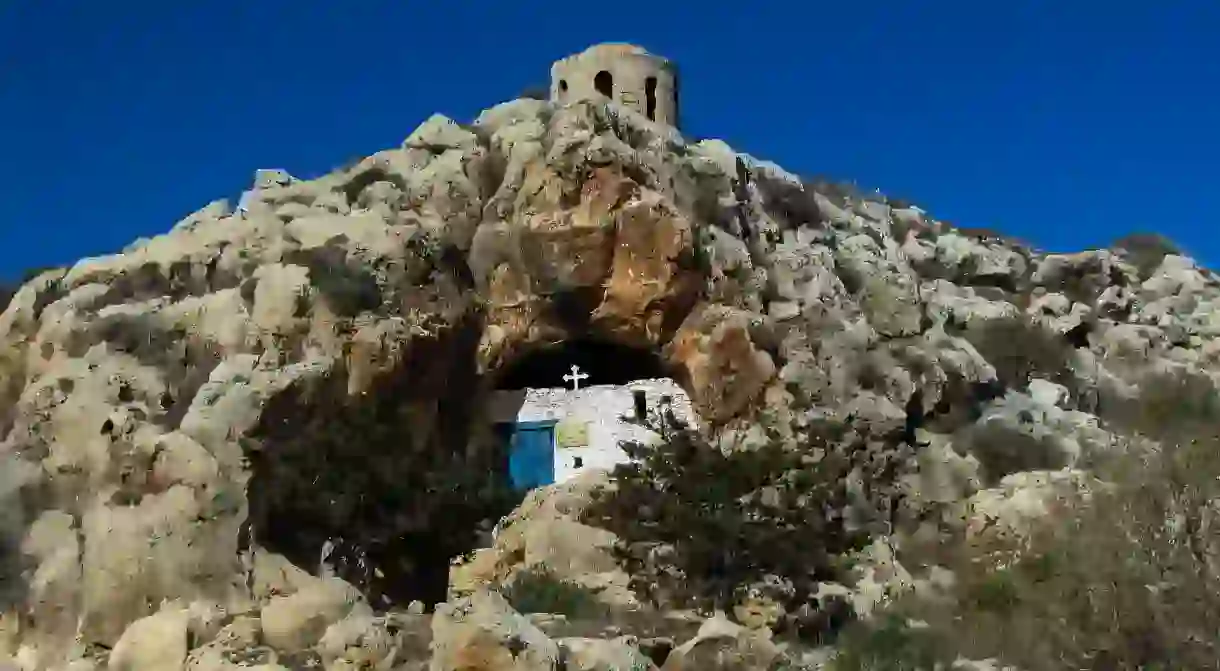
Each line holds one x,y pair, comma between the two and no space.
599,409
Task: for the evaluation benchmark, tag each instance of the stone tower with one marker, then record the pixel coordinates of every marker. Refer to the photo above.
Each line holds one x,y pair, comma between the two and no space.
624,73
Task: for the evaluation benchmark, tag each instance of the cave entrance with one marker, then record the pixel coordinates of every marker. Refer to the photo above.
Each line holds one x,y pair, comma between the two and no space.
563,409
382,488
386,488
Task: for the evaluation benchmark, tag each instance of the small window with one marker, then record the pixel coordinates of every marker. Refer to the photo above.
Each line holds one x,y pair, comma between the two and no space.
604,83
650,97
563,87
641,404
578,462
674,97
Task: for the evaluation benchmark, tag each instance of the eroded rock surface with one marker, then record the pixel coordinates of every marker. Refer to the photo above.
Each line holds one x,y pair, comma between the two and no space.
310,366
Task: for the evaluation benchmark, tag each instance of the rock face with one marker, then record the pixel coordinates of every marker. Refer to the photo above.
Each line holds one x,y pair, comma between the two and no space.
187,422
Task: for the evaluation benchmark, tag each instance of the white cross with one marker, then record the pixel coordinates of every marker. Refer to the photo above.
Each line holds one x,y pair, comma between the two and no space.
575,377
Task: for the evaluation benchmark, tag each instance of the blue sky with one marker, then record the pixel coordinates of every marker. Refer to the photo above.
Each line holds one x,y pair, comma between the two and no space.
1067,124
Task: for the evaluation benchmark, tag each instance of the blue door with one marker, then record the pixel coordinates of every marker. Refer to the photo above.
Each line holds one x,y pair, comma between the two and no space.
531,456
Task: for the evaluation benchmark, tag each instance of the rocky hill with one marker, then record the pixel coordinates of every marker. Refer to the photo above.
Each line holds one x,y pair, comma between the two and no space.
888,404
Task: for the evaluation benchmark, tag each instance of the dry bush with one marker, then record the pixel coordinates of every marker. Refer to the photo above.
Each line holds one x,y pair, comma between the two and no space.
12,383
841,193
1146,251
9,289
1020,350
12,528
344,283
1085,281
1130,580
900,203
791,203
1175,404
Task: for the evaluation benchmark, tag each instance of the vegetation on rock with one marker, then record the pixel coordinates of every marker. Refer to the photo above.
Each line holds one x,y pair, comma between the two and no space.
701,527
1146,250
1021,350
1125,576
540,591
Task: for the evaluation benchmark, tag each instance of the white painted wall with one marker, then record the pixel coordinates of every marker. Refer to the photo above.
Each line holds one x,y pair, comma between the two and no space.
600,406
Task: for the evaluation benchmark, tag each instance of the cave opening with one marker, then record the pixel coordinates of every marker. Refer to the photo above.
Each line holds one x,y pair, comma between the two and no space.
379,488
605,363
386,488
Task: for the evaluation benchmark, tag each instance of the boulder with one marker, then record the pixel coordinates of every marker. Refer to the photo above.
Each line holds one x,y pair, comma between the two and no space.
154,643
722,645
481,631
299,620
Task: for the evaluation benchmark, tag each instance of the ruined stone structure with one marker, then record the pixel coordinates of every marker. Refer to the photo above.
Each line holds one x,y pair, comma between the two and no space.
624,73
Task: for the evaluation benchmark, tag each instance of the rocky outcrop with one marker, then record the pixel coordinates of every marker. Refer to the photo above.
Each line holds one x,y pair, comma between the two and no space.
546,534
250,384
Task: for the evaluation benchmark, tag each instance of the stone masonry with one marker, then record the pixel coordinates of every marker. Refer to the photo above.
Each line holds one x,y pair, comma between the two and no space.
624,73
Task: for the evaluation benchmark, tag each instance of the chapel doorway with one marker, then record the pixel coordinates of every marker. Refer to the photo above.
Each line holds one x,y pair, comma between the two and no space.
566,408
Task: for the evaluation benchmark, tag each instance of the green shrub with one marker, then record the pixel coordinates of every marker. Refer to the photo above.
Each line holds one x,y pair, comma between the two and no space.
541,591
698,524
345,284
892,645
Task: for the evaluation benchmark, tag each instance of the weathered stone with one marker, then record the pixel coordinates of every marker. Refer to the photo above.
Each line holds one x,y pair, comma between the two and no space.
297,621
154,643
138,389
721,645
585,654
543,534
481,631
724,368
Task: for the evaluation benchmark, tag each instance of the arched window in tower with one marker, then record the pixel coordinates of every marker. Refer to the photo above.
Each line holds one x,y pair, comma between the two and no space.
563,89
674,93
650,97
604,83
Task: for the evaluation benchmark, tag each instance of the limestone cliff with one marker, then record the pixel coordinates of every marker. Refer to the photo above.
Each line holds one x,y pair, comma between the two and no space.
179,418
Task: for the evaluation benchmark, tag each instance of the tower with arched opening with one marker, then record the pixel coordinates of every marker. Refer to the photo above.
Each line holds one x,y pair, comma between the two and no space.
623,73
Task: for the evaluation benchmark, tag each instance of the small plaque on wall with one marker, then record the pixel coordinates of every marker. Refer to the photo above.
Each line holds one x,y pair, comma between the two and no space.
570,433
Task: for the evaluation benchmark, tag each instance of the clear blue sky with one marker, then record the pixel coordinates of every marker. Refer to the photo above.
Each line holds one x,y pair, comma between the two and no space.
1064,123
